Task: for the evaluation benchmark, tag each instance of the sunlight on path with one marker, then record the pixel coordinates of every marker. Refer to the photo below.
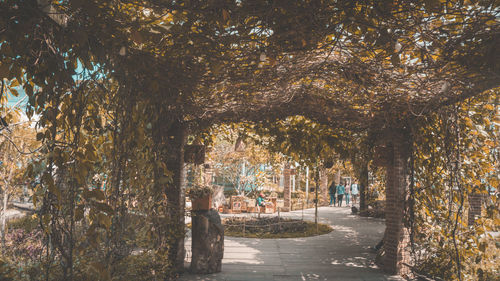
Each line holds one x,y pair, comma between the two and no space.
344,254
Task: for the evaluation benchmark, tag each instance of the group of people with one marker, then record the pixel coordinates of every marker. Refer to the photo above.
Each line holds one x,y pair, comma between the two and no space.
343,191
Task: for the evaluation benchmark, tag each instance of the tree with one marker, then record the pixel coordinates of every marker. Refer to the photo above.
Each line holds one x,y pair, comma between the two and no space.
17,147
454,158
244,164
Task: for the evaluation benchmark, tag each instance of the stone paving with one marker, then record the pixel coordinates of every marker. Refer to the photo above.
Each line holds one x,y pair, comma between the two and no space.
344,254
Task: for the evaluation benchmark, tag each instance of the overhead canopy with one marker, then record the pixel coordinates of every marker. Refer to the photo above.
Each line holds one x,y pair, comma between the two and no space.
352,64
338,89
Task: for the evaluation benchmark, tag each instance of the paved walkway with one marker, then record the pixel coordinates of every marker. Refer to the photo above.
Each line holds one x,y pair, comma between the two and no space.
344,254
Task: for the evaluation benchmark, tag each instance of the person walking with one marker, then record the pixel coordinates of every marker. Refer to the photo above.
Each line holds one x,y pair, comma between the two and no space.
355,193
340,193
260,202
332,190
347,193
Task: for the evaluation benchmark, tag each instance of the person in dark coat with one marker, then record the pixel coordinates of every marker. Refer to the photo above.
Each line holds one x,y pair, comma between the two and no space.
332,190
340,193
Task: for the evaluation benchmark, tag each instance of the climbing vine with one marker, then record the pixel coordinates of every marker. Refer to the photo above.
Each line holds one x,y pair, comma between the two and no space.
116,85
455,158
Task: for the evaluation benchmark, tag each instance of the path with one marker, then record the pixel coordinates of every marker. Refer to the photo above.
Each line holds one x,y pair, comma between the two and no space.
344,254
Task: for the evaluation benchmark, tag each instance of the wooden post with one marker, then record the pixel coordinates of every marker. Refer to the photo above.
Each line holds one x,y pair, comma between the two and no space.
316,199
279,225
244,226
307,185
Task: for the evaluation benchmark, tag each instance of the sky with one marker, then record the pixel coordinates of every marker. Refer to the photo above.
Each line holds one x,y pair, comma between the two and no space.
11,101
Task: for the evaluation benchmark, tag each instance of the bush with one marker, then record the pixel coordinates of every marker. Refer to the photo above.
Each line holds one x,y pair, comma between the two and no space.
7,272
273,227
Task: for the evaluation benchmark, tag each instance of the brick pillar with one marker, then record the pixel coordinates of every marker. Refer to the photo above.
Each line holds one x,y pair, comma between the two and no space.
323,186
287,192
396,240
475,207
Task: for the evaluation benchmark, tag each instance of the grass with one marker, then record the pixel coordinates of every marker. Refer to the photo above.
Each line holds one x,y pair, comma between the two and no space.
308,232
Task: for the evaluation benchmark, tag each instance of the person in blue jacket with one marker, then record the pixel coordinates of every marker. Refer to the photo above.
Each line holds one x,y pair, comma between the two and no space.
354,192
260,201
340,193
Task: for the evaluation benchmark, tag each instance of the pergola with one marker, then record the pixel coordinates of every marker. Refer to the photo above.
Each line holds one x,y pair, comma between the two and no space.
348,81
335,90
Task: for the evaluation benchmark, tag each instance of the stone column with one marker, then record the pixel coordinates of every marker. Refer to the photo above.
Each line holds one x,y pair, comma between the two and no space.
207,242
287,189
396,240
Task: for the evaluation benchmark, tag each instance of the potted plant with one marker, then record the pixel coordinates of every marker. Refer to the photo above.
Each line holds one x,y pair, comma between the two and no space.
201,197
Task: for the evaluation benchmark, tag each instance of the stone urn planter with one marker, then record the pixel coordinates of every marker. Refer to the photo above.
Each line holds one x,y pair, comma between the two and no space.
207,232
207,246
202,204
201,197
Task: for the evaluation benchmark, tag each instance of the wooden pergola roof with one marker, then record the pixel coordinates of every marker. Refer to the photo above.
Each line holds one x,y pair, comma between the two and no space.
339,90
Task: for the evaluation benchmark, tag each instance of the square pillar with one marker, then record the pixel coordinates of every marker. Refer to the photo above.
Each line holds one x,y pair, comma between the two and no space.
175,192
397,234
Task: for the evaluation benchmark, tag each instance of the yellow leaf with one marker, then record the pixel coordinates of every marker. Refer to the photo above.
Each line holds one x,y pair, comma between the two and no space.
225,15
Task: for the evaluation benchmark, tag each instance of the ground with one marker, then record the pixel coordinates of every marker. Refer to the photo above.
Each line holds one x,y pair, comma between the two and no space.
345,254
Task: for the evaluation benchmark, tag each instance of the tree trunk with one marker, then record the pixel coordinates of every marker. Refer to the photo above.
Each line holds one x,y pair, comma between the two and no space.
363,186
323,182
4,213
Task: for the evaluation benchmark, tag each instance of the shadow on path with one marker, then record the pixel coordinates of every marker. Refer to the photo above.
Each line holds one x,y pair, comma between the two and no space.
344,254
